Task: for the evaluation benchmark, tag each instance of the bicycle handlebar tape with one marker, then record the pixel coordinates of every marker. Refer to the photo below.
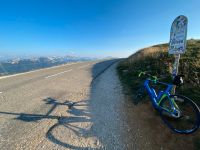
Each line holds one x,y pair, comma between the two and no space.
154,79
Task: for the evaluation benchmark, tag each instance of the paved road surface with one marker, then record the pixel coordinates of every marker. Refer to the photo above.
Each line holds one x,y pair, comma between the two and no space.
58,108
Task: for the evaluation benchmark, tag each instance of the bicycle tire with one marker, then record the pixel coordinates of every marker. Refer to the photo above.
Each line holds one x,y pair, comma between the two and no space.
184,124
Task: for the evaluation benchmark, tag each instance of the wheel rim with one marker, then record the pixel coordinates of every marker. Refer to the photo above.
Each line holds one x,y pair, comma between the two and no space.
189,119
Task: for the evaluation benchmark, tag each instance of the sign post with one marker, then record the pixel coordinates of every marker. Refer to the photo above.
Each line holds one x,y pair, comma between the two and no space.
177,43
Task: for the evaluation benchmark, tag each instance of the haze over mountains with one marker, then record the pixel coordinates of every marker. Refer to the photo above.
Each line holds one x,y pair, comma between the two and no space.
12,65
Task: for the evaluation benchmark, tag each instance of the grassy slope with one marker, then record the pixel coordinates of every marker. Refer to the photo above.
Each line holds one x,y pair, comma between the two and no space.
158,62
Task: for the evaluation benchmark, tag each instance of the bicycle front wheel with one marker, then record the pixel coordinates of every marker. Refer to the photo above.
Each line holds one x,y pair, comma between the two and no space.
189,118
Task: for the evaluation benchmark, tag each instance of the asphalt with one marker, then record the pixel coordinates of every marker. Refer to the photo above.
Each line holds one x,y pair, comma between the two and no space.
32,104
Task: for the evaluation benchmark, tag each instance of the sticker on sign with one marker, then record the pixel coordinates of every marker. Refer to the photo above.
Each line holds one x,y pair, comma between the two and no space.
178,34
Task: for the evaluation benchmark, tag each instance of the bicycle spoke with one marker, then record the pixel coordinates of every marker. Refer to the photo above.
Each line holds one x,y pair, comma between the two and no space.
189,119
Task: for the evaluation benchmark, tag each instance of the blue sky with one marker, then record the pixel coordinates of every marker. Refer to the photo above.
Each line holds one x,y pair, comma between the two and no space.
94,28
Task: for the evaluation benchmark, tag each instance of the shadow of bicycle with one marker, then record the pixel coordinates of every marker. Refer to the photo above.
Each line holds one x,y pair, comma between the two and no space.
79,128
67,124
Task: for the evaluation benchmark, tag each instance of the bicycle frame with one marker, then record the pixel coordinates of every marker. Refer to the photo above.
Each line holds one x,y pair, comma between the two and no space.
157,99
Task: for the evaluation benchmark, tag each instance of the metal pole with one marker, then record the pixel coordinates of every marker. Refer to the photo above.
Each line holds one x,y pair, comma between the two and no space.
175,69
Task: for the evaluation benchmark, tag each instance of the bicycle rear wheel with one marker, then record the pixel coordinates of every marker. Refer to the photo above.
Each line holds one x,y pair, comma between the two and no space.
189,119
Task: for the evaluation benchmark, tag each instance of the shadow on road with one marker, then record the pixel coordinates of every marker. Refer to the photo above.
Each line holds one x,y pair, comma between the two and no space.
36,117
79,112
78,117
101,67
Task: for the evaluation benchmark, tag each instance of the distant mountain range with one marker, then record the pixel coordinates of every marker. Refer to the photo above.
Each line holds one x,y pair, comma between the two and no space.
18,65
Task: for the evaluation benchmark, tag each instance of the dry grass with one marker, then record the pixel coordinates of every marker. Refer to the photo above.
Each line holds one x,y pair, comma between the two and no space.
150,51
157,61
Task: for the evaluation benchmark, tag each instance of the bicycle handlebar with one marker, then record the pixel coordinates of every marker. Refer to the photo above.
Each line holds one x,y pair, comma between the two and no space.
153,78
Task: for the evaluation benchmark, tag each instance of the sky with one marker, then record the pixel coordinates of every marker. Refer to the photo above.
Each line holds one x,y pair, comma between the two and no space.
94,28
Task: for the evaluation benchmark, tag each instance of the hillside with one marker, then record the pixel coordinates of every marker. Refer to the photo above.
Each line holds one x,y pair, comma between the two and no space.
158,62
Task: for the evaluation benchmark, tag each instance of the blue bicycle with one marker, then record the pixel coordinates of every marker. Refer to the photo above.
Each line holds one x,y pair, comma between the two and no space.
178,112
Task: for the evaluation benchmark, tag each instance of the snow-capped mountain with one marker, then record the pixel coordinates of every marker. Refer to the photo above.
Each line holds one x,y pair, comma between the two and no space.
17,65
